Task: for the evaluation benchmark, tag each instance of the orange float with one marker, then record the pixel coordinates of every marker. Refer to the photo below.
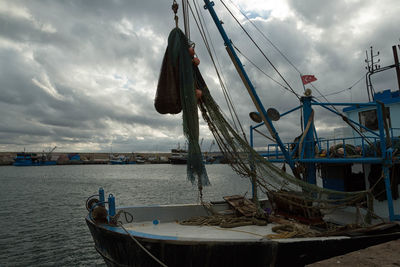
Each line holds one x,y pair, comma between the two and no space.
196,61
198,94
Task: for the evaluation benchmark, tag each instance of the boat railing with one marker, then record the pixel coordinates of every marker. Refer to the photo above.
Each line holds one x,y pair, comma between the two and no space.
356,149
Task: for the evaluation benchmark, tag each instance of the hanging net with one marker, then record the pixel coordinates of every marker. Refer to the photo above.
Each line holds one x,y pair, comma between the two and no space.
281,188
175,92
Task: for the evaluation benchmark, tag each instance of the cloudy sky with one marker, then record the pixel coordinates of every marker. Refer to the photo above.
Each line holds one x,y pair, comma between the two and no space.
82,75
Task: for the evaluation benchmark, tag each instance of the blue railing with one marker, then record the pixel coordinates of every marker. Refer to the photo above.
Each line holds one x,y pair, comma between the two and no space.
352,149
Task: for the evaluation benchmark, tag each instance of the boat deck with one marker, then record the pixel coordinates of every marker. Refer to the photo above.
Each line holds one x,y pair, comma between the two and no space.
176,231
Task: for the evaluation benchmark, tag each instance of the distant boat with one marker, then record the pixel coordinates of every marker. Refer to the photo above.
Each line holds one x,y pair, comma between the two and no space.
32,159
178,156
121,160
140,160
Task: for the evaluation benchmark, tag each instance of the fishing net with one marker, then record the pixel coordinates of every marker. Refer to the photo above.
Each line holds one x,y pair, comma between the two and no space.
282,188
177,79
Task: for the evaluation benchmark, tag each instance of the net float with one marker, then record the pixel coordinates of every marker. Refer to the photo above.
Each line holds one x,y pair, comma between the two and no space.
198,94
196,61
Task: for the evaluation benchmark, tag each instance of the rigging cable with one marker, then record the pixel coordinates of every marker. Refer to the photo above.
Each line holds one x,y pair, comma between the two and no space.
259,49
338,92
266,38
203,32
284,87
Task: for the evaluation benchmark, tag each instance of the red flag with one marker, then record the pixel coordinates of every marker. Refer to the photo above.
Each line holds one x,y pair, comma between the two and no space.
308,79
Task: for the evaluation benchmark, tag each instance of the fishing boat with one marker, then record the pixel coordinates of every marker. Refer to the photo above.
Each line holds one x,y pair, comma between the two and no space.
33,159
116,159
178,156
121,160
305,217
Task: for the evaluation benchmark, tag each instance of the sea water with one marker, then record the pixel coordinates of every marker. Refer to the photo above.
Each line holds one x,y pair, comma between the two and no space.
42,210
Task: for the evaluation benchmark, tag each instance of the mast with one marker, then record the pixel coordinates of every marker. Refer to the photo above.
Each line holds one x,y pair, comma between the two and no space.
396,62
250,88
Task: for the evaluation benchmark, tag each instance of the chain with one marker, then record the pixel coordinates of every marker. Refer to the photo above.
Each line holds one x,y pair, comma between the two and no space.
175,7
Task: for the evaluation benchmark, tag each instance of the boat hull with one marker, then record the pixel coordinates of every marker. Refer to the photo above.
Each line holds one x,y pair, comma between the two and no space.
119,249
30,163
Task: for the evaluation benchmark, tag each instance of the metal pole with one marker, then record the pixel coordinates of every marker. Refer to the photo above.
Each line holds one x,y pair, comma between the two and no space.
309,147
101,196
396,62
386,160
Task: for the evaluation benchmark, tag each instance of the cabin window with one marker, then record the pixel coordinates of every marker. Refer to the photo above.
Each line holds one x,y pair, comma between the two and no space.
369,119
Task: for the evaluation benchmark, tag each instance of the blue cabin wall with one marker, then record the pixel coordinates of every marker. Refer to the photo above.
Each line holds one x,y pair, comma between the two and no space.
391,101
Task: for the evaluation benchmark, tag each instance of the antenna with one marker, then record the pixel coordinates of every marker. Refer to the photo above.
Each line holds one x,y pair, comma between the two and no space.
371,67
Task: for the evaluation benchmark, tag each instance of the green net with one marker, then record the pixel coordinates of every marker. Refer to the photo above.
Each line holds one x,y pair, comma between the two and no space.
280,186
180,67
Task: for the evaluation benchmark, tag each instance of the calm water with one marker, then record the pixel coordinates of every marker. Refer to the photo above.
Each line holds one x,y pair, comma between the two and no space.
43,208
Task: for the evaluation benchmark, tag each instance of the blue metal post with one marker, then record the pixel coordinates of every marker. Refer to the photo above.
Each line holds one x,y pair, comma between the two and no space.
101,196
387,155
309,143
111,205
260,108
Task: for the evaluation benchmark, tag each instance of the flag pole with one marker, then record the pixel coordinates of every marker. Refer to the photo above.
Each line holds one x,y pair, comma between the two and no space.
301,78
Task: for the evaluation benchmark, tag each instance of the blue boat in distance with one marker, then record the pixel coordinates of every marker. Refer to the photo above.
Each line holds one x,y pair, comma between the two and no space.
32,159
122,160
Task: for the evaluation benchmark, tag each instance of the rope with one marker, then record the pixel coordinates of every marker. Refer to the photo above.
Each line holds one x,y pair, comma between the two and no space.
223,221
291,230
142,247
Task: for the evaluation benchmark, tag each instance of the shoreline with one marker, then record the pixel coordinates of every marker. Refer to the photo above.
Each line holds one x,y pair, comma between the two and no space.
92,158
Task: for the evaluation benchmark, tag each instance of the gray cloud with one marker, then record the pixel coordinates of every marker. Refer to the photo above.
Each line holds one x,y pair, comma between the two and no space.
82,75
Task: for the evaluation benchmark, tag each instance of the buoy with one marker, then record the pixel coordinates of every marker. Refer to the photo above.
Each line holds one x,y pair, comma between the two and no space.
191,51
198,93
196,61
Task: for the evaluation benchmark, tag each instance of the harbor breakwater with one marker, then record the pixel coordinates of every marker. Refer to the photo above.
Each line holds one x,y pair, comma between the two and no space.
76,158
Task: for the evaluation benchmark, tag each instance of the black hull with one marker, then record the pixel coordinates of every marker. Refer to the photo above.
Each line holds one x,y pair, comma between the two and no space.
119,249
